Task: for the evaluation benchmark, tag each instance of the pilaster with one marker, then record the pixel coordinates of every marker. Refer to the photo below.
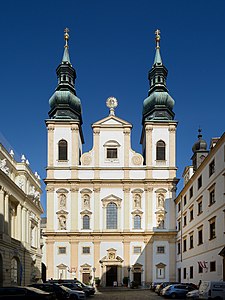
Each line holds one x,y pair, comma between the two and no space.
126,151
74,255
74,208
96,132
97,258
148,208
126,208
148,149
97,209
50,259
2,210
50,208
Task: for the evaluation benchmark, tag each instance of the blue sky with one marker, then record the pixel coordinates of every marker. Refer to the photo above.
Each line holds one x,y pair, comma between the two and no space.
112,48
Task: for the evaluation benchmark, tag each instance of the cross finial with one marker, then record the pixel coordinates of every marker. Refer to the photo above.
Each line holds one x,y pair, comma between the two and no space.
157,38
66,36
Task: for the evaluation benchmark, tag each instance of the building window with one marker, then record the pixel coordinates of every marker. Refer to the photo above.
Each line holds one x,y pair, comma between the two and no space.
212,266
200,236
212,167
178,248
184,273
137,250
111,216
191,192
199,182
178,207
62,150
184,245
211,197
191,214
62,250
179,225
160,249
199,207
160,150
185,200
137,222
86,222
160,271
212,228
86,250
15,271
200,269
191,272
185,220
191,241
111,153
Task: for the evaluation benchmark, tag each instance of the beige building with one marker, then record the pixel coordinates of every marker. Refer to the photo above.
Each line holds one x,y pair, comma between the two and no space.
200,214
111,210
20,211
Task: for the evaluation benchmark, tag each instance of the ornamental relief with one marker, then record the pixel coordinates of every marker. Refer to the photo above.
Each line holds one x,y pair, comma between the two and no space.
137,160
86,159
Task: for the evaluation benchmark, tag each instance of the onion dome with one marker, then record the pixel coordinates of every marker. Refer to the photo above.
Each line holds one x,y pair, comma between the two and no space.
64,103
201,144
159,104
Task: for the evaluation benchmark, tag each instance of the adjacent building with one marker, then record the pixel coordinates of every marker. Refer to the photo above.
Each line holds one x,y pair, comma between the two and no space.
20,214
200,214
111,210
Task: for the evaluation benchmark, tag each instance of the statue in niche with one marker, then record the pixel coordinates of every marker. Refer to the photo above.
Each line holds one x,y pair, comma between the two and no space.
160,221
62,200
62,222
160,200
86,200
137,201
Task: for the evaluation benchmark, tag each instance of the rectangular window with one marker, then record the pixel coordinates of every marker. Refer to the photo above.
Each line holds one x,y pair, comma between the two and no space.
199,207
199,182
86,250
178,248
161,249
185,245
179,225
185,220
62,250
111,152
212,266
212,167
137,250
178,207
212,228
191,192
185,200
191,272
200,269
211,197
191,214
191,241
200,236
184,273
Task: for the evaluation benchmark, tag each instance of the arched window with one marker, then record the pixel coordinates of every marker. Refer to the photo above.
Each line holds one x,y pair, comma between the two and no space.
62,150
160,150
15,271
86,222
137,222
111,216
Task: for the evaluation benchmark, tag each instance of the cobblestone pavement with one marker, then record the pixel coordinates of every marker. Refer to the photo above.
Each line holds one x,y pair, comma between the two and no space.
125,294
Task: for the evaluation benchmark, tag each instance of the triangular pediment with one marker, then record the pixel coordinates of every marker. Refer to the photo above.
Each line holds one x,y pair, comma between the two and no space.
111,249
111,197
85,265
61,266
111,120
137,212
85,212
62,212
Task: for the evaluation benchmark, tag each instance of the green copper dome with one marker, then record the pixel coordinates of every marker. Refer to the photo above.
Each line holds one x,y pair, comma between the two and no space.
158,98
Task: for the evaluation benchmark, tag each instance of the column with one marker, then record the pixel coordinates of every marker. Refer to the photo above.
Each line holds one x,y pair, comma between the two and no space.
50,259
148,154
19,222
97,209
74,209
126,151
2,210
96,132
97,258
24,225
126,209
74,256
148,208
7,214
50,208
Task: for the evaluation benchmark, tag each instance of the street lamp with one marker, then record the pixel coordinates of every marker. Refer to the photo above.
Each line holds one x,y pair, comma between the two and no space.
94,269
128,269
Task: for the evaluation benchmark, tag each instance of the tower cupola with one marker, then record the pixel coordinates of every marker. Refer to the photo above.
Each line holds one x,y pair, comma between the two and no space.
64,103
199,151
159,104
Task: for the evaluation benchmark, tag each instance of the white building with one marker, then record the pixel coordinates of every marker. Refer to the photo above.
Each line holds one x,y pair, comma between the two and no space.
20,211
200,208
111,211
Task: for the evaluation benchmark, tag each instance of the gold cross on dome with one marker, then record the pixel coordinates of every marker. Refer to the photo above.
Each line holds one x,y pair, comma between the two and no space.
66,36
157,38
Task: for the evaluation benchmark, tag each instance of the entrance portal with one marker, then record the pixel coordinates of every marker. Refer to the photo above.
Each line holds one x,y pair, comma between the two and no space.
137,278
111,275
86,278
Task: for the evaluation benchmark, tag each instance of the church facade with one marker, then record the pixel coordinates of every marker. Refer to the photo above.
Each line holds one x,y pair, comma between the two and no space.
111,210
